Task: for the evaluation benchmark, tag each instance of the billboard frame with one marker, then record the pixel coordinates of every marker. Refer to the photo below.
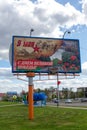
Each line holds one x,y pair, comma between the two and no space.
50,67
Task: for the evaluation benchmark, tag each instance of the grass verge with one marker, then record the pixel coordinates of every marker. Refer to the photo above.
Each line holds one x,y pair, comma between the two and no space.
45,118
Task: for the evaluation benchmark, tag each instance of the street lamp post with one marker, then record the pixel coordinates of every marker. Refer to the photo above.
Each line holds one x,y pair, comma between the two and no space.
31,31
66,32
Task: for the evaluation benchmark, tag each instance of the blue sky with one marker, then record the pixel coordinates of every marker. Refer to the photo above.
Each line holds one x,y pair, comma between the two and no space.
49,18
76,3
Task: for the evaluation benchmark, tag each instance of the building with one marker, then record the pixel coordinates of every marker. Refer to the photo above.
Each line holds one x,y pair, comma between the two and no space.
83,90
1,96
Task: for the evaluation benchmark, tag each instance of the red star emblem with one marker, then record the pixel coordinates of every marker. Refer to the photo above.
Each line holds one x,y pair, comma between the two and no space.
36,48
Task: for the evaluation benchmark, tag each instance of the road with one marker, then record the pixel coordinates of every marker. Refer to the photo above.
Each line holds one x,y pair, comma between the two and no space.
73,104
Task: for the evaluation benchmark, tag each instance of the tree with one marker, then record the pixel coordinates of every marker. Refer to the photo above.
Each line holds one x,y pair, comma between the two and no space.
65,92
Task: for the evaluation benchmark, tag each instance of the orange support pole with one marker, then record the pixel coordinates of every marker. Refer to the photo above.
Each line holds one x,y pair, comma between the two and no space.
30,102
30,76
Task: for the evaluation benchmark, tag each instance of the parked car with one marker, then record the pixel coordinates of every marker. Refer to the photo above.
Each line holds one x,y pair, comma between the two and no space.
68,101
83,99
55,100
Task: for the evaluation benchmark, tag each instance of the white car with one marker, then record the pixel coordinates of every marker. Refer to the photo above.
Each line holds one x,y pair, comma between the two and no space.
68,101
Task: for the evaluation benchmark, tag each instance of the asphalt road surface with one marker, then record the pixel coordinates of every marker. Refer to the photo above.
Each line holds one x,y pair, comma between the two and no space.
73,104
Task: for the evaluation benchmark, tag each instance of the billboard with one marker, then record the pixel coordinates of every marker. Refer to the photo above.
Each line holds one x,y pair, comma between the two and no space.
40,55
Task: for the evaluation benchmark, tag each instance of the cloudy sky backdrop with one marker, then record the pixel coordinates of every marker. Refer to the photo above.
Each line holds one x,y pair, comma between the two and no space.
48,18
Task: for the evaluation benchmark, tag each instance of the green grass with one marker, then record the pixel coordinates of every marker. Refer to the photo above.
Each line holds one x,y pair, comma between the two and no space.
2,103
45,118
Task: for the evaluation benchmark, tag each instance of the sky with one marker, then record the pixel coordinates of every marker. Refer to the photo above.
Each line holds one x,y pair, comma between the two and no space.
48,18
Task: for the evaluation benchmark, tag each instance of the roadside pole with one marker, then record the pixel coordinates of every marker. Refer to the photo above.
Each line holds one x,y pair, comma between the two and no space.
30,76
58,96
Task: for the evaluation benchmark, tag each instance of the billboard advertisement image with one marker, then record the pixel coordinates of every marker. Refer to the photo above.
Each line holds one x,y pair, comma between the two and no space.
40,55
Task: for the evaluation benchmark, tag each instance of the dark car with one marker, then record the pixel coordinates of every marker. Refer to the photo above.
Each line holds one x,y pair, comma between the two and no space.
55,100
83,99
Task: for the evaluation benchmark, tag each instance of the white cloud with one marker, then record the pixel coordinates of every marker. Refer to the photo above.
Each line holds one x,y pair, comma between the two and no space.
84,68
47,17
20,16
8,82
5,72
4,54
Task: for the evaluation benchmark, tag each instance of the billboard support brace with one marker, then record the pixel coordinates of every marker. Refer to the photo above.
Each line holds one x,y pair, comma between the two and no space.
30,76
